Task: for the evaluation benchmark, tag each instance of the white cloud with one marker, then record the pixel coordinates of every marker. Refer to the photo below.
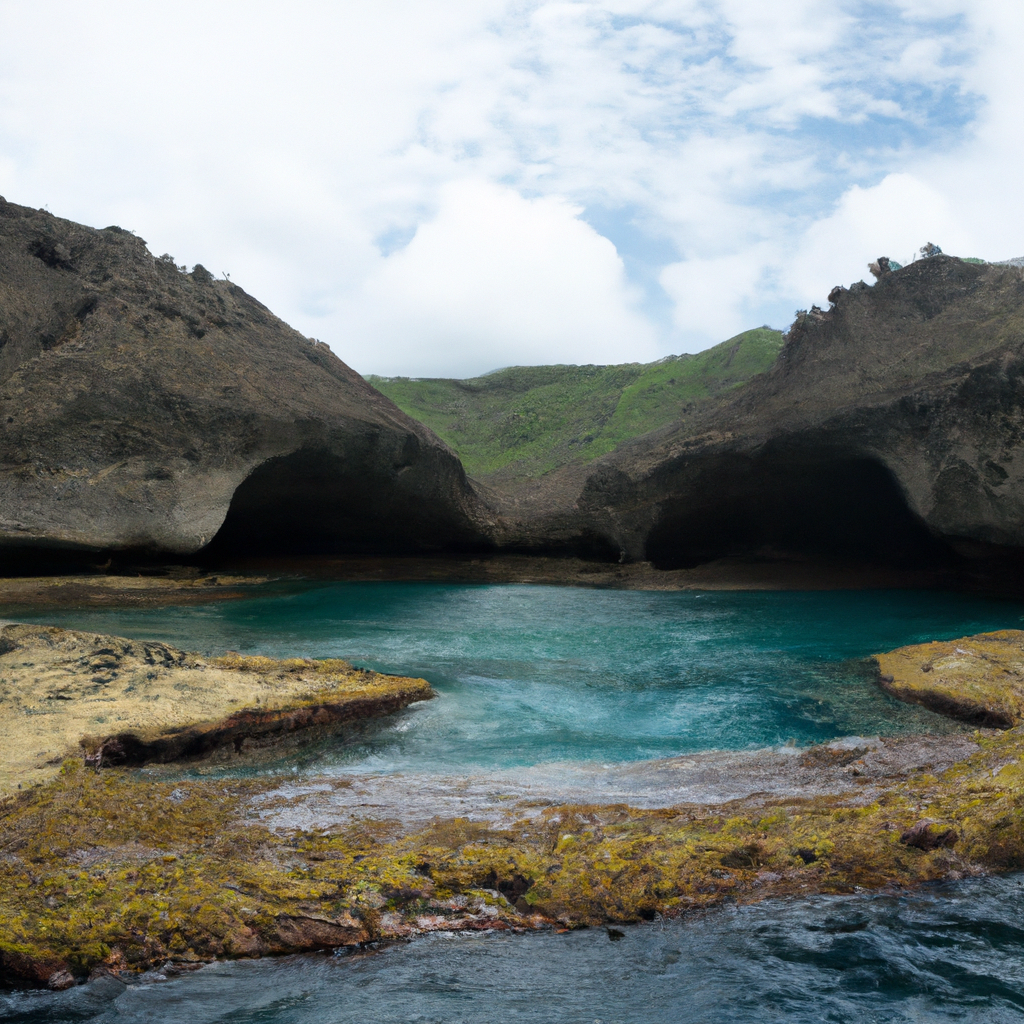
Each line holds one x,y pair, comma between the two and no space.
713,297
894,218
282,142
494,280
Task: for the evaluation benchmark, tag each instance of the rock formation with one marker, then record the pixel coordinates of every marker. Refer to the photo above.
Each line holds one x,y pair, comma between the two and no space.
889,428
148,409
65,694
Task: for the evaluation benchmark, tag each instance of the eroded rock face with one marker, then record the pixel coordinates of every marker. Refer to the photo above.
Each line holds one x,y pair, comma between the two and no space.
890,427
142,407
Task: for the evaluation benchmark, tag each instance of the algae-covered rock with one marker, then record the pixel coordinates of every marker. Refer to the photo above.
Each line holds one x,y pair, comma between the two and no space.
64,692
977,679
110,868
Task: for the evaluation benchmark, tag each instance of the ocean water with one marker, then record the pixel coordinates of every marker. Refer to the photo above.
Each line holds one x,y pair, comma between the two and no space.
529,675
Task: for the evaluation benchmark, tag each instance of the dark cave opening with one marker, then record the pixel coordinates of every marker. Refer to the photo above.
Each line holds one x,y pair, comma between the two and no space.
587,546
788,503
314,503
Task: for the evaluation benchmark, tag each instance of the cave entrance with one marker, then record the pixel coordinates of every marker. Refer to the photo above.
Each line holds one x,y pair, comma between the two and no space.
789,504
312,502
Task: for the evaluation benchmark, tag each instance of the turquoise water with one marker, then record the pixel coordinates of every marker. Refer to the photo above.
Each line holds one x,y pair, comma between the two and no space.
530,674
534,674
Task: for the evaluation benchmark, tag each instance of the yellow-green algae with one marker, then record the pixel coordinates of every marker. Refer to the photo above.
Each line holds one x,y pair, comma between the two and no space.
978,679
110,867
106,867
61,688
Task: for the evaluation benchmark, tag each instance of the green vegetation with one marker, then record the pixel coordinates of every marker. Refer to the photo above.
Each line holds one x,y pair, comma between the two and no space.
525,421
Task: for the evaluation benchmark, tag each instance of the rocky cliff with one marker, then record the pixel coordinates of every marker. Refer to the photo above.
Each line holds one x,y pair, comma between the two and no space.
144,408
890,427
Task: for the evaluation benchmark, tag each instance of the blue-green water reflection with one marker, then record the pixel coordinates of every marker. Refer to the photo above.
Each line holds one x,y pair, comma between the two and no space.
529,674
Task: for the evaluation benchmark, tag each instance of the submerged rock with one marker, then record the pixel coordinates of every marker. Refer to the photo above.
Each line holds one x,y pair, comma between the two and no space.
144,408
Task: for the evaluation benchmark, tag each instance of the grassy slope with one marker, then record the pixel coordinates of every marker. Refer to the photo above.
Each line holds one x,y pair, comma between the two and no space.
527,420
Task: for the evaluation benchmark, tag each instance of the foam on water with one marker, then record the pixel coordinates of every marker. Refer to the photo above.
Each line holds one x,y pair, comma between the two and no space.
528,674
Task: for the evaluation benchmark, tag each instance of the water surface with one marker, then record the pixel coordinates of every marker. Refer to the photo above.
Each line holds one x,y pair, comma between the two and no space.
534,674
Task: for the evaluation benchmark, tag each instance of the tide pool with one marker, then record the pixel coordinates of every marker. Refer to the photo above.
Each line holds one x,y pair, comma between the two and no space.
534,674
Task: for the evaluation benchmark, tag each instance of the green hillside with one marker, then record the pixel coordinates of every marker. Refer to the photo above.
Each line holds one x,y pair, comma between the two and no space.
526,420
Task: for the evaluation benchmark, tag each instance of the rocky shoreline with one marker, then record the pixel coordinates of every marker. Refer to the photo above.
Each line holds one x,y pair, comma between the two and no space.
128,702
156,585
105,868
178,586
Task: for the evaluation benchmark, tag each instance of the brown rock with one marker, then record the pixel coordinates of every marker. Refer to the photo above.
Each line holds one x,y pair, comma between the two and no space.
61,980
30,969
145,408
929,835
303,933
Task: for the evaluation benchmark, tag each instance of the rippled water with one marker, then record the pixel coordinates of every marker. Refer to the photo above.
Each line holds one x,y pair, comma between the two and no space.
955,953
530,674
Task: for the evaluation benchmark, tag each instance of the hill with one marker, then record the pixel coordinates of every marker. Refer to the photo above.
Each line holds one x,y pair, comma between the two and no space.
144,408
889,428
524,421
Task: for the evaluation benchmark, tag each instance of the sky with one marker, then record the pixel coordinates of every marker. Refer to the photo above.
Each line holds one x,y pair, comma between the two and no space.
446,187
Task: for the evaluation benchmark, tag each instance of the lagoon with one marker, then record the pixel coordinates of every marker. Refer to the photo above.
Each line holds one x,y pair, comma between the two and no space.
529,676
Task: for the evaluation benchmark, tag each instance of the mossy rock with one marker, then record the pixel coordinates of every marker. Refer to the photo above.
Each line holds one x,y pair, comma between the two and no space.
977,679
